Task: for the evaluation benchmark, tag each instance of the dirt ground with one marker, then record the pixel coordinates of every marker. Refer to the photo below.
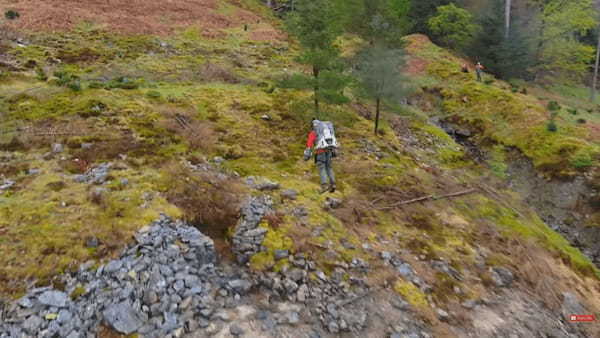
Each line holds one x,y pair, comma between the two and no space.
132,16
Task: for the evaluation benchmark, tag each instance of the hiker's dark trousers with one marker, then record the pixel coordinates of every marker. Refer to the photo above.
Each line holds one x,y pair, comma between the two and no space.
323,161
478,76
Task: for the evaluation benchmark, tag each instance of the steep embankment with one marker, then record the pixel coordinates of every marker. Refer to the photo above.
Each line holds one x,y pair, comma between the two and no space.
557,171
104,129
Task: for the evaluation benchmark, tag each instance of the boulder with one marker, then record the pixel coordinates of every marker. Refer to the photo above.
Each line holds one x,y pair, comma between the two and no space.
122,318
53,298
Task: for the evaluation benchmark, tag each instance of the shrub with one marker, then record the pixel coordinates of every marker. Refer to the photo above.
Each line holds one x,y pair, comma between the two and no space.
11,14
153,94
123,83
41,74
552,127
581,121
66,79
572,111
208,200
583,160
213,72
96,85
75,85
553,106
488,81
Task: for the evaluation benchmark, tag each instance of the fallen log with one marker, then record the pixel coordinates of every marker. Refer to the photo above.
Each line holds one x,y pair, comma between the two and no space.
428,197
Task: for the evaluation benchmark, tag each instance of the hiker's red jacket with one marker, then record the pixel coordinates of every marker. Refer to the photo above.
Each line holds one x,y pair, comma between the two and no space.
312,137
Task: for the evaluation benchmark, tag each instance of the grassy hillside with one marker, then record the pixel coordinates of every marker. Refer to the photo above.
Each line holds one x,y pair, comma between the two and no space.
153,104
506,114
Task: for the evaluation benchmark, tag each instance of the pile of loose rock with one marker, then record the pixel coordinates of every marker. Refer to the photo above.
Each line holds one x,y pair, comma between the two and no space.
167,284
96,175
158,287
248,236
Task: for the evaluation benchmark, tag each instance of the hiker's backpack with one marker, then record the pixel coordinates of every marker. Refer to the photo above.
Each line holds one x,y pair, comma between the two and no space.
325,135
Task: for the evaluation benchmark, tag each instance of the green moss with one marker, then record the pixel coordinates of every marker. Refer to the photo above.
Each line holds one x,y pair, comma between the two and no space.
411,293
262,261
78,292
274,240
497,161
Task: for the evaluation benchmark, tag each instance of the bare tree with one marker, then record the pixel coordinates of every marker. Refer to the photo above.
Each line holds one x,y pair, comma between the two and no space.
595,80
507,18
597,63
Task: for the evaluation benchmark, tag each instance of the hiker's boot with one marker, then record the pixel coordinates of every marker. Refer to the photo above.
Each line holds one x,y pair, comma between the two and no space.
324,188
332,188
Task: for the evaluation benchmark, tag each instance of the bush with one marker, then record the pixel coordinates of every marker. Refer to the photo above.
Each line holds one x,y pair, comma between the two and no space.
75,85
153,94
123,83
488,81
452,26
11,14
552,127
572,111
581,121
582,161
553,106
208,200
96,85
41,74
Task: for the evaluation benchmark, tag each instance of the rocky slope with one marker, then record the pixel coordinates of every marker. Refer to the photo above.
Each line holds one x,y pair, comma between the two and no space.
105,128
169,284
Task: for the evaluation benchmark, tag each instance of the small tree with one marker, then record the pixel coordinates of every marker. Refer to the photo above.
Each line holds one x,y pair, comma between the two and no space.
452,26
506,58
380,74
316,26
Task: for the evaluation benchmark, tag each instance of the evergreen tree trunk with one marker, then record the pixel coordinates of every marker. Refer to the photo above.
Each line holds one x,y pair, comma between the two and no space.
595,80
507,19
378,100
316,88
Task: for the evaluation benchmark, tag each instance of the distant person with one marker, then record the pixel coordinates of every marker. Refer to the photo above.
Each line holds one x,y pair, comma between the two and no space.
479,70
322,139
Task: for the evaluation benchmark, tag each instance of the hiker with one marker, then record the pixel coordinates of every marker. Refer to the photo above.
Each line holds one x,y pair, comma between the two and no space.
478,70
322,139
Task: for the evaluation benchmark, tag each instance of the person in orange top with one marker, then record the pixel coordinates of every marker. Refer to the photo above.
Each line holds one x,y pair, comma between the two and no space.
479,69
323,160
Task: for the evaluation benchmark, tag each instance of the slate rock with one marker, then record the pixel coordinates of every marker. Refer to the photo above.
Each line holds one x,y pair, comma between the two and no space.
240,286
442,315
333,327
293,317
332,203
25,302
57,148
32,324
123,318
54,298
236,330
281,254
502,277
289,194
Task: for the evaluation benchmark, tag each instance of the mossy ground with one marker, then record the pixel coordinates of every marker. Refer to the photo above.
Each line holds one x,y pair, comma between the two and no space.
136,88
506,116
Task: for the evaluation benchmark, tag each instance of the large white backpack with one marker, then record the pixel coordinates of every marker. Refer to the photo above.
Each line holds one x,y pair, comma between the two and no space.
325,135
